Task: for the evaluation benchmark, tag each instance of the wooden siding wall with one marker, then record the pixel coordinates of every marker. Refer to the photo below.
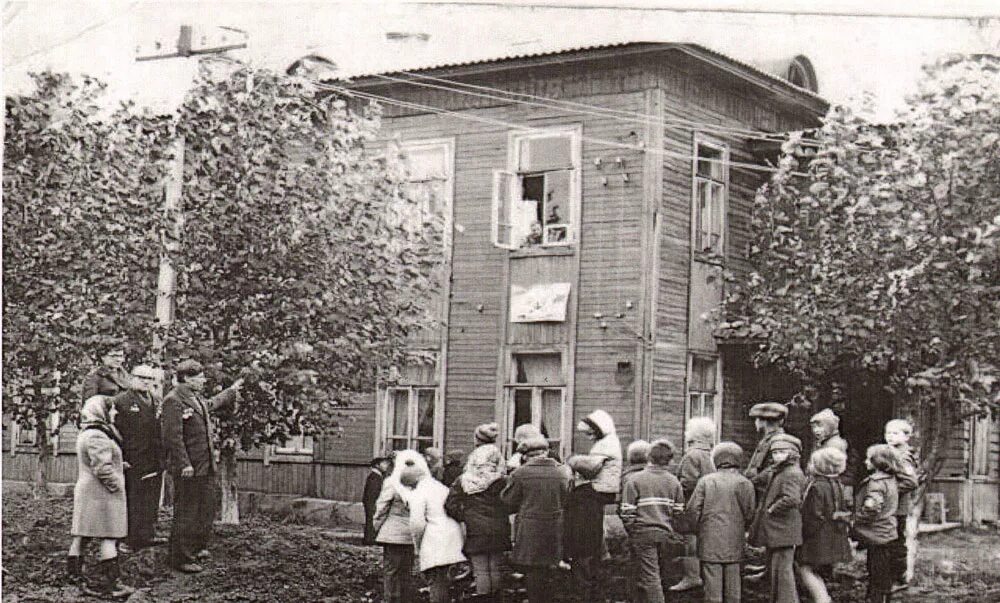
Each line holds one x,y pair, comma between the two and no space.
609,244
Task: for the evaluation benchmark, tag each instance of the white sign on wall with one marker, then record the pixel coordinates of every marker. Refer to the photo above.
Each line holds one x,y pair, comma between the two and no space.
539,303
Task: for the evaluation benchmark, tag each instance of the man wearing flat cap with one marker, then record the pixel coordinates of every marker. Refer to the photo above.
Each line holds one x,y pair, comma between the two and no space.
187,432
768,418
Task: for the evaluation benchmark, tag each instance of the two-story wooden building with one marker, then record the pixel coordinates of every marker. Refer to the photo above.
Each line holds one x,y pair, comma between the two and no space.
592,199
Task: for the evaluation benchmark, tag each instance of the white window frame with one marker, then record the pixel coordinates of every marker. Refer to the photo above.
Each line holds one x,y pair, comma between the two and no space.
510,386
447,145
384,410
300,444
717,396
515,190
981,434
700,251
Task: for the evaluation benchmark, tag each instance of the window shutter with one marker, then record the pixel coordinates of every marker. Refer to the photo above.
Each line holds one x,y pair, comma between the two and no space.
506,192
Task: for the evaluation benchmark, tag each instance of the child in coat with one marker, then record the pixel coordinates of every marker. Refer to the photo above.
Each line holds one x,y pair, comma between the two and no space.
475,500
537,492
437,538
875,505
719,511
599,427
392,529
778,521
897,435
651,499
696,463
824,522
583,533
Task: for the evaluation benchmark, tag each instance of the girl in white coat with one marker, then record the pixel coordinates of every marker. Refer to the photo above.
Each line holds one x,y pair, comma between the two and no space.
436,536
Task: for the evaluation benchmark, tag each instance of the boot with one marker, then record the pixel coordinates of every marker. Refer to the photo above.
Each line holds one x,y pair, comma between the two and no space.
108,573
74,568
691,578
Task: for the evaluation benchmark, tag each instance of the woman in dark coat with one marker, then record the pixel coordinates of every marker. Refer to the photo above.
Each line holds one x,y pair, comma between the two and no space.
475,500
824,523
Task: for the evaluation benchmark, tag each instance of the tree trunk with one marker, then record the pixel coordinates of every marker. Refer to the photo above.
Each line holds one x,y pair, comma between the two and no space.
227,477
44,453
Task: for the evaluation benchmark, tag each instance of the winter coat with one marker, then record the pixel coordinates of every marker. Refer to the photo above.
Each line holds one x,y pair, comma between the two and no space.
906,479
583,530
437,537
142,446
778,521
537,490
392,516
696,463
373,487
609,449
104,381
99,508
487,521
187,429
720,509
824,540
875,505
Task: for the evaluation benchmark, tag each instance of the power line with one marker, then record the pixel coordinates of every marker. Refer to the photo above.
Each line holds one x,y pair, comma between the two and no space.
592,110
18,60
511,125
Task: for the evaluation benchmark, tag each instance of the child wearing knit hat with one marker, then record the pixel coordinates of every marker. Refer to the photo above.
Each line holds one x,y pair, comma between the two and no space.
824,523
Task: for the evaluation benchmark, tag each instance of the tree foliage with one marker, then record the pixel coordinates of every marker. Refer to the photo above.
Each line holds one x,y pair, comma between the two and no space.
884,258
299,260
81,192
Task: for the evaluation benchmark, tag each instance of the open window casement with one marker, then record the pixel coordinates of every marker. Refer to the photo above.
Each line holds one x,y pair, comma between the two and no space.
508,216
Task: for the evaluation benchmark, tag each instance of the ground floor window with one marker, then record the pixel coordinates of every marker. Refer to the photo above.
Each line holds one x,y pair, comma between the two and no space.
410,413
535,393
703,389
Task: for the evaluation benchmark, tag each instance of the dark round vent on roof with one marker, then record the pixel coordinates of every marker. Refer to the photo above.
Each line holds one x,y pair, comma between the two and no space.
802,74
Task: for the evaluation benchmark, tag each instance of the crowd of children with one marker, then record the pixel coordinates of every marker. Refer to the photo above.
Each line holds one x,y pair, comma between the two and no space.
708,512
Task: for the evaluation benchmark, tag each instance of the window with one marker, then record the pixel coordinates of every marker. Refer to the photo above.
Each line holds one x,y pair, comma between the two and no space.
536,201
296,444
982,428
410,411
703,389
429,180
535,393
711,177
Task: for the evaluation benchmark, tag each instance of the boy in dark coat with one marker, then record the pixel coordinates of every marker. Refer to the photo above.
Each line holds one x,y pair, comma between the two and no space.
897,435
778,522
824,522
699,436
651,498
537,491
452,466
373,487
875,505
719,511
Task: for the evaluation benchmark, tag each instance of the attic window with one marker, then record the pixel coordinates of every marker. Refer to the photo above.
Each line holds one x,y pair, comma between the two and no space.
802,74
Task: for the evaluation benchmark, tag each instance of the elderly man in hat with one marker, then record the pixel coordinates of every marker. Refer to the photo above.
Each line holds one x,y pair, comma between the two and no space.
191,459
142,450
769,420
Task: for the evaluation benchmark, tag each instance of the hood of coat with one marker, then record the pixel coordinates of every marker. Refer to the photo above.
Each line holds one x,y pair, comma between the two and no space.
600,422
410,463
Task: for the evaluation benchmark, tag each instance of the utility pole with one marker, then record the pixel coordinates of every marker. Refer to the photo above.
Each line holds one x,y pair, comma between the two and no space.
190,42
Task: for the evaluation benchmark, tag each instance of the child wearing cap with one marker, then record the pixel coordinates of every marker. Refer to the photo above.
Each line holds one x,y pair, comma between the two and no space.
769,420
696,463
778,521
824,523
897,435
875,505
719,511
651,499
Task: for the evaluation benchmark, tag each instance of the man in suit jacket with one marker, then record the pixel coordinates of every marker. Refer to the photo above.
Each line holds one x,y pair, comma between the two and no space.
108,379
142,450
373,487
191,461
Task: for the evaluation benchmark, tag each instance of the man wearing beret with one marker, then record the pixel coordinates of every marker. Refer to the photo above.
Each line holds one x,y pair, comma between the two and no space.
768,418
187,433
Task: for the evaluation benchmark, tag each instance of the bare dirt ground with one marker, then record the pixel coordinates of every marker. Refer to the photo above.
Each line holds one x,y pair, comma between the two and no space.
270,561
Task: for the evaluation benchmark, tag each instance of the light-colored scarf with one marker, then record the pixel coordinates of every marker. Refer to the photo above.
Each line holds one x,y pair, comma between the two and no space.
485,466
95,415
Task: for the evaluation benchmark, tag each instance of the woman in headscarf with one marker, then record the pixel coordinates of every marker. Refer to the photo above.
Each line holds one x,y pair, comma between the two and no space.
392,528
475,499
99,507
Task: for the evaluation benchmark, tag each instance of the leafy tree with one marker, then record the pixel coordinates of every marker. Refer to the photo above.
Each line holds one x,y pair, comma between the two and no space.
883,260
80,243
300,263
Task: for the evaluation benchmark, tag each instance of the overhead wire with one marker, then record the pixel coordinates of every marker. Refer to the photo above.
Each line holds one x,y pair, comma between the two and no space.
527,128
18,60
587,109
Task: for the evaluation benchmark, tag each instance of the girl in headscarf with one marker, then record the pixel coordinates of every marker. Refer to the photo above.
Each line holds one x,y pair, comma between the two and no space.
99,507
392,528
475,499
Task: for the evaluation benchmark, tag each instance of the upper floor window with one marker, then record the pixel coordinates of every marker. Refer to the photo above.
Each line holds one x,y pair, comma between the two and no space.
711,188
429,170
536,202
